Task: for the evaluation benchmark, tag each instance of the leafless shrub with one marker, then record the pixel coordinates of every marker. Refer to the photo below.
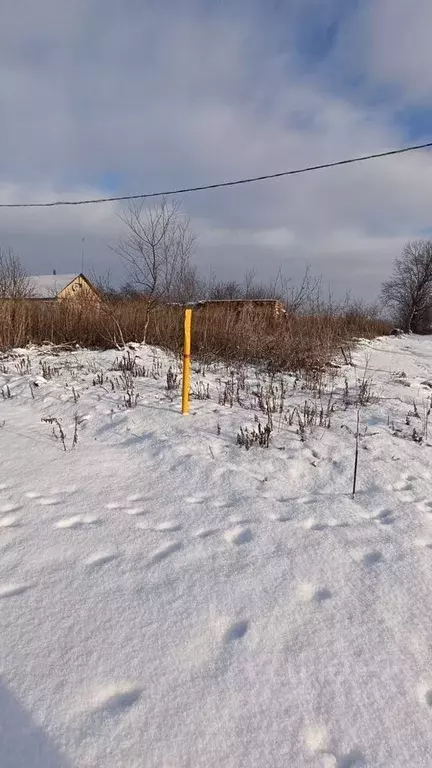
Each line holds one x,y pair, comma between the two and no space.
347,356
128,364
48,371
310,415
417,436
201,391
131,397
14,281
23,366
125,382
75,432
157,367
99,379
365,394
172,380
258,435
58,433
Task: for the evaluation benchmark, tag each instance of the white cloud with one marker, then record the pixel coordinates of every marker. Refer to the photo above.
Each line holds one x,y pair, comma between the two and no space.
400,51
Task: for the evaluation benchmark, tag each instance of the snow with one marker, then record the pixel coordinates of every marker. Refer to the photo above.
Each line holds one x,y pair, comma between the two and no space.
48,286
168,598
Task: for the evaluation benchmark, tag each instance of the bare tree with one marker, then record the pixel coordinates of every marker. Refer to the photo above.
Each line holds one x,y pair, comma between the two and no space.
300,297
225,289
14,281
156,252
297,298
103,284
253,290
188,286
408,293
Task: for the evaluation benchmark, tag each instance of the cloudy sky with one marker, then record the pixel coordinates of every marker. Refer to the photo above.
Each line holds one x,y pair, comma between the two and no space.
103,97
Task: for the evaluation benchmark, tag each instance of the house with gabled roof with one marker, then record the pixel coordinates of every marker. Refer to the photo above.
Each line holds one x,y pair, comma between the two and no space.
52,287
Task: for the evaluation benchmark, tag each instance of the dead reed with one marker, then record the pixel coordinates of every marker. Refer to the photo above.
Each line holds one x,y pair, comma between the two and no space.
293,343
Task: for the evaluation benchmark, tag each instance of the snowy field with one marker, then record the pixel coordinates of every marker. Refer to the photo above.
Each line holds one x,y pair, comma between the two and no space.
169,599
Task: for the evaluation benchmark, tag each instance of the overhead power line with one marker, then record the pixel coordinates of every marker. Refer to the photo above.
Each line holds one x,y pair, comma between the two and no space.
219,185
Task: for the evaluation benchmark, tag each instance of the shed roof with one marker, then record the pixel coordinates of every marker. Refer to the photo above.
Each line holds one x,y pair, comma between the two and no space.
49,286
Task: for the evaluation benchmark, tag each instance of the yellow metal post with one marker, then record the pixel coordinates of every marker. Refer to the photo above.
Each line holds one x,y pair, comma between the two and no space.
186,360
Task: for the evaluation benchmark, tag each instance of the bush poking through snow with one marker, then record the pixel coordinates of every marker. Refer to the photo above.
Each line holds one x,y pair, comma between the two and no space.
23,366
256,436
47,371
131,397
201,391
57,434
172,380
128,364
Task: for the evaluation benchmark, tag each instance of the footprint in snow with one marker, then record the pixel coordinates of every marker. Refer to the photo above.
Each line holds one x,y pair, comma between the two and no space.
136,511
135,497
314,525
100,558
316,739
240,520
425,506
236,631
116,697
168,526
428,698
205,533
12,590
425,695
280,517
385,517
48,501
6,508
166,551
222,504
310,593
76,521
317,742
427,543
9,521
372,558
354,759
401,485
238,535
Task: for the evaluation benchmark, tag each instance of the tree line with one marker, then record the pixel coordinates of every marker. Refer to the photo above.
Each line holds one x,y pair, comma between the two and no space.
157,247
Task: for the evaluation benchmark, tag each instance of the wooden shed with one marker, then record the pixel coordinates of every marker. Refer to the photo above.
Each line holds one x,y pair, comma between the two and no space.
269,310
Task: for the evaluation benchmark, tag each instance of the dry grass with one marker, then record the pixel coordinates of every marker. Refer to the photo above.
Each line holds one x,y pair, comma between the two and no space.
295,343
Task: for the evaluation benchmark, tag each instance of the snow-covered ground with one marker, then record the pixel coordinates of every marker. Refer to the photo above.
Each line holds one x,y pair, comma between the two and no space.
169,599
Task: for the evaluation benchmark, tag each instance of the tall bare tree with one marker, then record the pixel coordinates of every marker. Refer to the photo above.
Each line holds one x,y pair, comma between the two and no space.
156,251
408,292
14,281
